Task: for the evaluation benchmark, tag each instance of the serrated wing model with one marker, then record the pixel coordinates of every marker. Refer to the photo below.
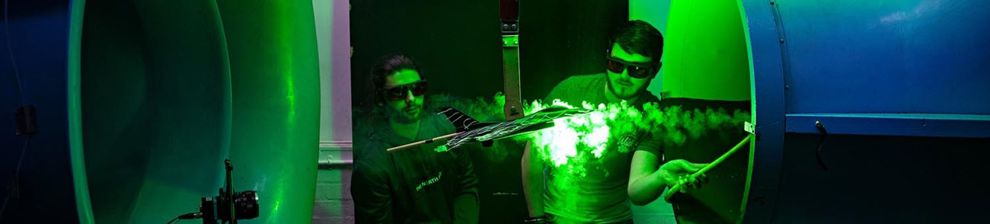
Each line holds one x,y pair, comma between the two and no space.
471,130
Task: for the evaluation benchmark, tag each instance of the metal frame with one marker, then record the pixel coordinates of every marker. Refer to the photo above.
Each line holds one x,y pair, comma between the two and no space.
765,46
914,125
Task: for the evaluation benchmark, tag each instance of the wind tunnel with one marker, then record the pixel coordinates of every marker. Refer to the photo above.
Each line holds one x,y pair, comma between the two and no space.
147,99
706,68
863,111
869,111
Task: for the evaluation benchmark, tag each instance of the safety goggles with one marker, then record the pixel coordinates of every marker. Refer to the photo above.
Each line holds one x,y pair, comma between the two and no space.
401,92
638,71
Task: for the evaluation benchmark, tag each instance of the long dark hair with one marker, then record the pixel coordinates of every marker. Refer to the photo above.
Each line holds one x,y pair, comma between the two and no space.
385,67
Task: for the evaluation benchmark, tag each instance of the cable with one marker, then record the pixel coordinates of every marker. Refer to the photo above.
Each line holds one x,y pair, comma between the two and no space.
17,173
10,51
191,215
20,96
822,133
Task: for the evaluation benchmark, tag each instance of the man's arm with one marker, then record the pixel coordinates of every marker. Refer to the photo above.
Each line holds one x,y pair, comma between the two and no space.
372,198
532,181
647,179
645,182
466,204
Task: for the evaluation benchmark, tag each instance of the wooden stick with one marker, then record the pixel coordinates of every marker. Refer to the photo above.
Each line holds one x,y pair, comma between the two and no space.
677,187
410,145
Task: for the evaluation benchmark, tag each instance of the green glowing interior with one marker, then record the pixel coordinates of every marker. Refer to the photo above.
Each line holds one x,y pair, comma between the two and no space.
163,99
705,55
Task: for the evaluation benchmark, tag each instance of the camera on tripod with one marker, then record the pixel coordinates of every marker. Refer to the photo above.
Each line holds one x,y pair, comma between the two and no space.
245,206
228,207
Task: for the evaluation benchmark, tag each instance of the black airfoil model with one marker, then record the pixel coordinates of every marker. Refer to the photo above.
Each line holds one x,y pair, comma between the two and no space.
471,130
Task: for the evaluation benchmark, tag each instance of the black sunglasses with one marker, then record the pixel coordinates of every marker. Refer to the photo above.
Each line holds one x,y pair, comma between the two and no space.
638,71
401,92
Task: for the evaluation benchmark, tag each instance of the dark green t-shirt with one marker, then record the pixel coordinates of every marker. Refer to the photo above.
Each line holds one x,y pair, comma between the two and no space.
416,185
599,196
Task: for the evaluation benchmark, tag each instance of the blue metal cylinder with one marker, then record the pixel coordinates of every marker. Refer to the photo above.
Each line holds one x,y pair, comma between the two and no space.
871,111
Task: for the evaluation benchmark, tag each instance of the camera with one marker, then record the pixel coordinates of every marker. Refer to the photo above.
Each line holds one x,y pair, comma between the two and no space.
228,207
245,205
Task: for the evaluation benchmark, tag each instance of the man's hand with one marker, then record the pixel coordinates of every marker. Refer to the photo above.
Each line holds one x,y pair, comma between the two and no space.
679,171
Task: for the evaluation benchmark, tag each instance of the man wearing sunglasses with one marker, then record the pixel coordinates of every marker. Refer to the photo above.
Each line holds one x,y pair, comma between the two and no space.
417,185
602,195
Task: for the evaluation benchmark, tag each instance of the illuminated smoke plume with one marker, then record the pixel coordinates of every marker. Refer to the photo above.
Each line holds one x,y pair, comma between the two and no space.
586,136
580,138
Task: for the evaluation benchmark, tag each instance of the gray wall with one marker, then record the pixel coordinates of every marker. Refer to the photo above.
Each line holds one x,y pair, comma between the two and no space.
333,199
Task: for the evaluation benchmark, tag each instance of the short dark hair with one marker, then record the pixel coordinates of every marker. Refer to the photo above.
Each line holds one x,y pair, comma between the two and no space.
385,67
641,38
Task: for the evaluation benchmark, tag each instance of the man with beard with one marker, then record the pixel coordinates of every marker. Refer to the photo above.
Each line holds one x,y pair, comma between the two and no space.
601,194
416,185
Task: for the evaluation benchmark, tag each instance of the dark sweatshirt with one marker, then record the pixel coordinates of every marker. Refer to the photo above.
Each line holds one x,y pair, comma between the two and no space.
417,185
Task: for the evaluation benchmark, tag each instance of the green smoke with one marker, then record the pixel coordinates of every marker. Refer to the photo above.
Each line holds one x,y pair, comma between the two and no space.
576,144
579,138
576,140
